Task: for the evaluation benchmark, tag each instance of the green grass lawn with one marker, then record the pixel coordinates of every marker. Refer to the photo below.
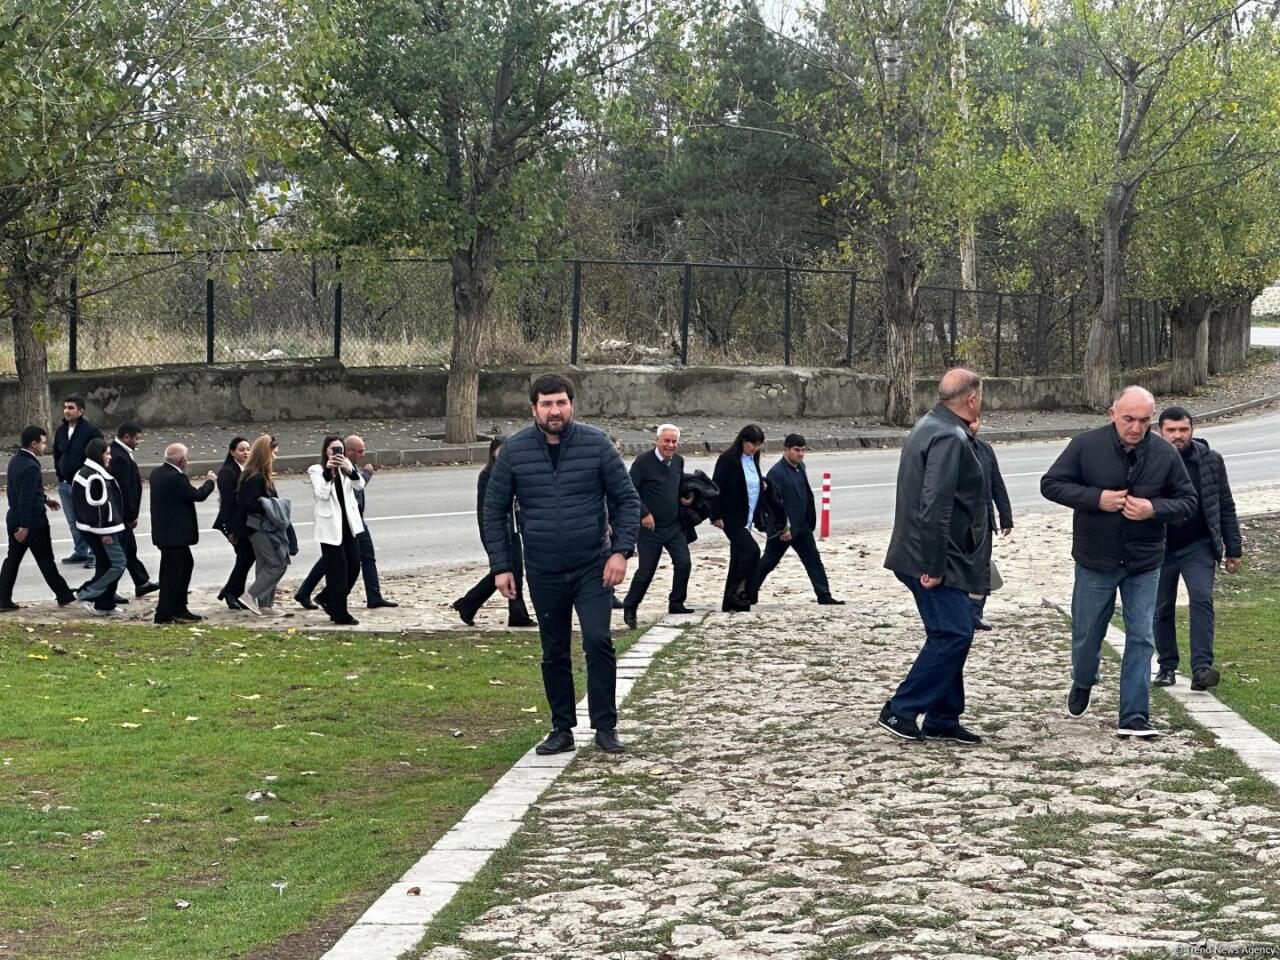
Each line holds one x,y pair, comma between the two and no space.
1266,320
1247,640
125,831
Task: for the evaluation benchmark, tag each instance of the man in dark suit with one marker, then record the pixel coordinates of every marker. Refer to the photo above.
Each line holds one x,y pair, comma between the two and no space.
125,469
73,435
656,477
174,530
27,521
788,476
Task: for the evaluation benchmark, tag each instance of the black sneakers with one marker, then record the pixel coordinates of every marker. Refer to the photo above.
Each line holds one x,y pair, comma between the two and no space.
1078,702
902,727
558,741
1137,727
1166,677
1204,679
955,733
607,740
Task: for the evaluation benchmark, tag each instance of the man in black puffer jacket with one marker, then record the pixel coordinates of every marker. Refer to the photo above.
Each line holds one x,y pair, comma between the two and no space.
1193,552
1124,483
562,473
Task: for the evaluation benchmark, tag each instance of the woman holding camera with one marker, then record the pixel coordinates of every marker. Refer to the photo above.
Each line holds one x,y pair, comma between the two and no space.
334,481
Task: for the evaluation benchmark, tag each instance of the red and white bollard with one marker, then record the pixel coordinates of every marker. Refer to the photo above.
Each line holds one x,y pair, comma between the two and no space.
825,527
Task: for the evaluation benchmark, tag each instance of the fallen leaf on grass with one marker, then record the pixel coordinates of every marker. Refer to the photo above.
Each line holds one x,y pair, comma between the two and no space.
37,656
146,710
182,904
528,709
189,719
279,726
58,648
457,733
80,719
129,726
352,676
251,696
280,885
495,682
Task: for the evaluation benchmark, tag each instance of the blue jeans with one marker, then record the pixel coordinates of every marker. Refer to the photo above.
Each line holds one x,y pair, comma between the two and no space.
1093,601
81,548
934,685
103,589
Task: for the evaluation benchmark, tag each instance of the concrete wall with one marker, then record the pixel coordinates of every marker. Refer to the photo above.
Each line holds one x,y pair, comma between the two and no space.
300,390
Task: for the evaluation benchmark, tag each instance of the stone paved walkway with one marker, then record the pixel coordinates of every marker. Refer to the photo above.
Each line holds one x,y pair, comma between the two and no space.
759,814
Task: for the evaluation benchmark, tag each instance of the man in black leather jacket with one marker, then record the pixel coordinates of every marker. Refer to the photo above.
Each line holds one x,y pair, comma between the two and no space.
941,550
1124,484
562,473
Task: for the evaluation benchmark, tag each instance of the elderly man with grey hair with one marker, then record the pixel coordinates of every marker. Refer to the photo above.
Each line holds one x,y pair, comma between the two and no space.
1125,483
656,477
175,531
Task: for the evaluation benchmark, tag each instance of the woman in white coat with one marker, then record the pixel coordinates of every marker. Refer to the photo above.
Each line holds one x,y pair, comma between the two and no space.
334,481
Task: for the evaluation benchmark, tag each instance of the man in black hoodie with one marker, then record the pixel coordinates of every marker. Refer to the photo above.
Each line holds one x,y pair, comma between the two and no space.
69,444
1192,552
1124,483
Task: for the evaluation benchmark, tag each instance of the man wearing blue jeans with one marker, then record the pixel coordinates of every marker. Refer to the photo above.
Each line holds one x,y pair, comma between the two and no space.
1125,484
941,550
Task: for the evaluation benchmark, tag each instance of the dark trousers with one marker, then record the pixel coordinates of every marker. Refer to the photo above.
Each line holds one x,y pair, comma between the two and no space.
239,575
744,561
934,685
1197,566
649,546
176,566
368,570
132,564
341,567
555,597
806,547
478,596
40,543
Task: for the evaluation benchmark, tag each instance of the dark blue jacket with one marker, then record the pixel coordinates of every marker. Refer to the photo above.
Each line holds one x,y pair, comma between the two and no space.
68,453
562,510
792,483
996,490
26,493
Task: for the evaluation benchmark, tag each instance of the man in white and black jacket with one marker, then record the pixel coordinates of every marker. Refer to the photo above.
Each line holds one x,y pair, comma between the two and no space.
99,516
1124,484
125,469
70,441
1192,553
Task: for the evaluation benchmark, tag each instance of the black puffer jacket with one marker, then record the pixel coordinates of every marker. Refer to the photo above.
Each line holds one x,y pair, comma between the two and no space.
1096,461
99,507
940,521
1216,502
562,510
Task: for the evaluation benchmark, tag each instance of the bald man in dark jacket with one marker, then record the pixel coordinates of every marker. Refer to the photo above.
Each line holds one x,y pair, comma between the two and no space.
564,474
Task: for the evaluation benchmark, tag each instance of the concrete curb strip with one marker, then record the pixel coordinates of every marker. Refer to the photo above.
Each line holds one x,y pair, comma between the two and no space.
397,921
1256,749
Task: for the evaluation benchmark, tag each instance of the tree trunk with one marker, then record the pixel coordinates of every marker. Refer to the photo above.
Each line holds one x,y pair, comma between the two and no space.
472,274
902,274
1202,343
1188,326
1097,351
31,360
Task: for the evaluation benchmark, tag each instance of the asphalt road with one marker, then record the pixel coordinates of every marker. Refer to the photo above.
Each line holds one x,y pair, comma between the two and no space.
1264,336
423,518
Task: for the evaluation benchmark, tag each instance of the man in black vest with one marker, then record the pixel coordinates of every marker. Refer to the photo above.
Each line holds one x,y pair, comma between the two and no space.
788,476
656,477
73,435
174,530
1192,551
27,521
125,469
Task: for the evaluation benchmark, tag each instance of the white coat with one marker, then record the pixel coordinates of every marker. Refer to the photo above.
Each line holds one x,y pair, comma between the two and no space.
330,502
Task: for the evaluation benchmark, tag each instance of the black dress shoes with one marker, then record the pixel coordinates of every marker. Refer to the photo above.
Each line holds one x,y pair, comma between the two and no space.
9,606
830,601
186,616
1204,679
607,740
1166,677
145,588
306,602
347,621
381,602
629,617
980,624
679,608
467,615
617,604
558,741
521,621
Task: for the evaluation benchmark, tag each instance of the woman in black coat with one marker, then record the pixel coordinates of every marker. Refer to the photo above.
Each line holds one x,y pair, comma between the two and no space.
737,509
470,603
225,522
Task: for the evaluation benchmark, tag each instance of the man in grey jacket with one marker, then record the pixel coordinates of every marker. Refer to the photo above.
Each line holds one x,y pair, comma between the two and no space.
563,473
941,550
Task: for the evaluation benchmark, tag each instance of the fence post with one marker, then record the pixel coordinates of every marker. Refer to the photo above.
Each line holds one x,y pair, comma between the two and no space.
576,314
954,292
208,309
853,307
337,308
999,321
73,326
786,316
686,292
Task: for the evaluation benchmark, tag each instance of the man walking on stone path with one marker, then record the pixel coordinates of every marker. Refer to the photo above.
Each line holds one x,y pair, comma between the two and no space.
941,550
563,473
656,477
1124,484
1193,551
788,476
